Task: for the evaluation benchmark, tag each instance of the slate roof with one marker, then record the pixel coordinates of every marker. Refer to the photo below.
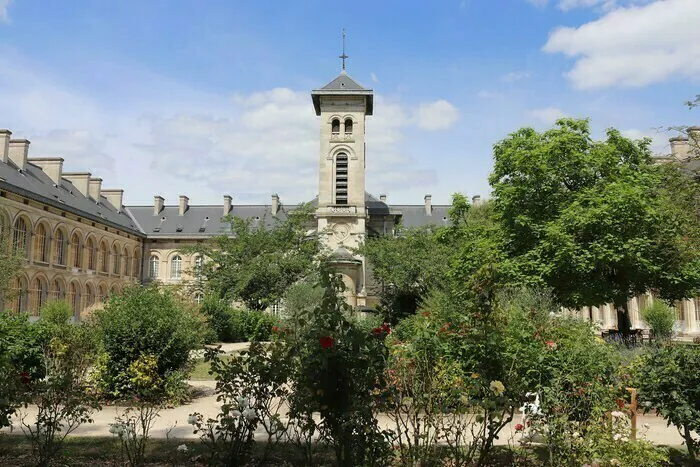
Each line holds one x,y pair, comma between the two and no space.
34,184
415,216
343,85
198,221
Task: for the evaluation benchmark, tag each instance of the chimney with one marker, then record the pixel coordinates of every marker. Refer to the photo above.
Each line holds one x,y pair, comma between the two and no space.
184,204
95,188
275,204
476,200
18,149
5,144
51,166
428,205
115,197
158,204
227,204
80,180
680,147
382,198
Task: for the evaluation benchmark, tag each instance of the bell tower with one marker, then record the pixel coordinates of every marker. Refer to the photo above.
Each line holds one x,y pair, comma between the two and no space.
343,106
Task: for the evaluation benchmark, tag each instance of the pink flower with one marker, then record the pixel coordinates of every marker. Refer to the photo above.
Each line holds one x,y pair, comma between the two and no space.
326,342
551,344
519,427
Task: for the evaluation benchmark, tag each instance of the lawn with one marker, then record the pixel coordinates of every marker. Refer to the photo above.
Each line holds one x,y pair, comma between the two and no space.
201,369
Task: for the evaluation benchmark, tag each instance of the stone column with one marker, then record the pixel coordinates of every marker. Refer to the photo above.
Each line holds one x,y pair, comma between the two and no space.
633,308
596,314
691,324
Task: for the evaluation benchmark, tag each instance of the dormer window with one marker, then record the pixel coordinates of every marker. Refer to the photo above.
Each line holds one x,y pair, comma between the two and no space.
335,126
348,126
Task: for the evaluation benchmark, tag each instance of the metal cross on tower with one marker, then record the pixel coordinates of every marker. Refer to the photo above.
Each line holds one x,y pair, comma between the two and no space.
344,56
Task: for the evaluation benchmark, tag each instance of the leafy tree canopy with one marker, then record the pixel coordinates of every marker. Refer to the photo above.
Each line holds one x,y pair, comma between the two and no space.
591,219
255,264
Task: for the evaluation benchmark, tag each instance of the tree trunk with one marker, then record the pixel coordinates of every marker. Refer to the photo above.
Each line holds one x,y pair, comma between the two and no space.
624,325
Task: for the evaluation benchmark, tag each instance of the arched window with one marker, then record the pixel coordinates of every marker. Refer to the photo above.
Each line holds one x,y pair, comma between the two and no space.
57,291
74,298
115,260
59,248
125,262
335,126
41,242
198,265
91,254
19,238
103,259
176,267
39,295
76,248
136,269
153,266
19,295
102,293
348,126
89,295
341,179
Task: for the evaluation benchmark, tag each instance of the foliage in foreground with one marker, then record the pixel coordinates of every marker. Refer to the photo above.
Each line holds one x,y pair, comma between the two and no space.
669,383
232,325
142,324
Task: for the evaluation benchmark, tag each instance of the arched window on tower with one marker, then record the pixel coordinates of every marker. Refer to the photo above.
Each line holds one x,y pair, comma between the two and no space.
335,126
348,126
341,179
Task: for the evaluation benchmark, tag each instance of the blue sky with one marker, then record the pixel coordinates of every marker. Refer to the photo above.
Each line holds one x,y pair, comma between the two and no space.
206,98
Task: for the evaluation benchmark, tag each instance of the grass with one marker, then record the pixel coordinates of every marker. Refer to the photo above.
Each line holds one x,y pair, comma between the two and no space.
200,371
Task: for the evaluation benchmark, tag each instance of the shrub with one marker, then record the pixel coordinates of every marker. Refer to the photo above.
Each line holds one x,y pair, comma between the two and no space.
251,325
669,382
660,318
144,321
217,313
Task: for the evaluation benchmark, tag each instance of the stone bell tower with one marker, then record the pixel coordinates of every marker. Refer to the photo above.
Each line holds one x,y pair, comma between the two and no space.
343,106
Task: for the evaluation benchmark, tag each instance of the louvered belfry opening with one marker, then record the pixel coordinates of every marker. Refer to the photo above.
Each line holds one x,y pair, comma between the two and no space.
341,179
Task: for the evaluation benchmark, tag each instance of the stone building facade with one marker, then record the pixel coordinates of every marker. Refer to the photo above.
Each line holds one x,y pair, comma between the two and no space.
81,243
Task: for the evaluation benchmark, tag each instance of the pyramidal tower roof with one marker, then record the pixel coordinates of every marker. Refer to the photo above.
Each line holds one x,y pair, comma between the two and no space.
343,85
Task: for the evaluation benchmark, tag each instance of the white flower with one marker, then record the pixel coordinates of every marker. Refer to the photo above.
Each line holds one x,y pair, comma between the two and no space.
114,428
617,414
576,435
497,387
235,413
615,462
192,419
182,448
617,437
249,414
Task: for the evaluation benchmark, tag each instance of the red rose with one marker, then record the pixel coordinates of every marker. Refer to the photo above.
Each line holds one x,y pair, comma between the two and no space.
275,329
326,342
620,403
386,328
25,377
519,427
376,331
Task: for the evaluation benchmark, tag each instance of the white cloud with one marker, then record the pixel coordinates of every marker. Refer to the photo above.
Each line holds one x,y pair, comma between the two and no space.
659,140
202,145
547,115
633,46
438,115
515,76
603,5
4,17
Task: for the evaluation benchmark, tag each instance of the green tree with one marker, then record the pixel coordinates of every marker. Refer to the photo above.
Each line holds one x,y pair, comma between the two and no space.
10,265
256,263
591,219
406,265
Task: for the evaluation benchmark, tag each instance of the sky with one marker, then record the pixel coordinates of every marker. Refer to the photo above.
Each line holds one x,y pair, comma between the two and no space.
211,97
